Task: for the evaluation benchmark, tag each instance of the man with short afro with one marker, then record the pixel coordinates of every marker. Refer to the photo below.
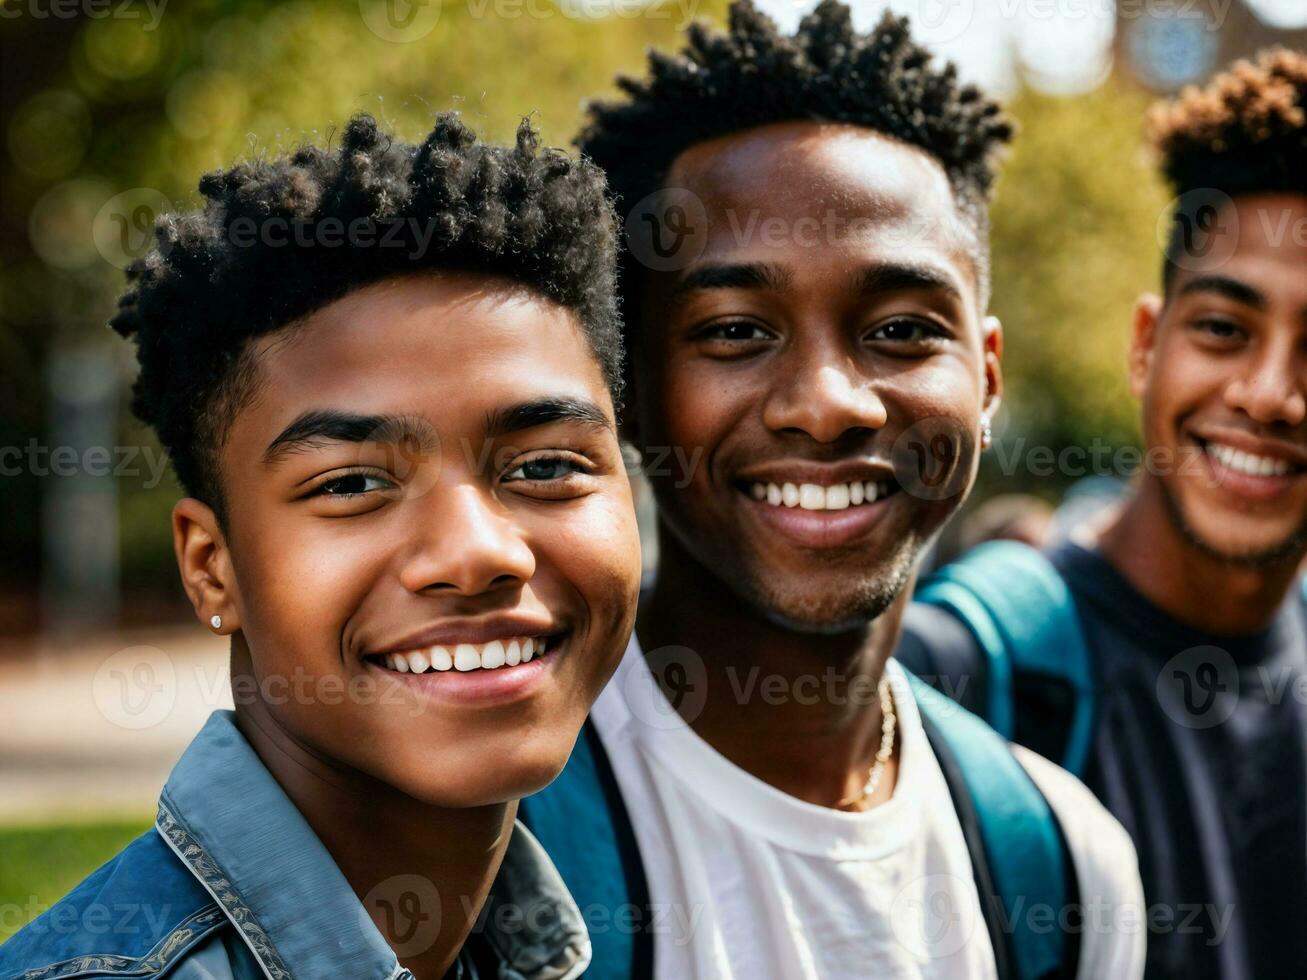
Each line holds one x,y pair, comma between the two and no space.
1185,598
277,239
388,376
812,377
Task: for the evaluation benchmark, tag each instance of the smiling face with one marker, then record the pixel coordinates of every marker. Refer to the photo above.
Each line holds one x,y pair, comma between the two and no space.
1221,369
432,549
818,372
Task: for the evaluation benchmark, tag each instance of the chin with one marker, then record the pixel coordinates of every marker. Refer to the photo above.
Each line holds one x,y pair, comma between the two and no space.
498,776
828,612
1227,537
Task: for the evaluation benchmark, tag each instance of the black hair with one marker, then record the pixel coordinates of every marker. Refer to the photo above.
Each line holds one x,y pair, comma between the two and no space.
371,209
1243,133
753,75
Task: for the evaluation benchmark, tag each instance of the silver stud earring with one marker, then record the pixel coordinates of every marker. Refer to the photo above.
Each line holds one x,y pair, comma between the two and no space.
216,622
986,434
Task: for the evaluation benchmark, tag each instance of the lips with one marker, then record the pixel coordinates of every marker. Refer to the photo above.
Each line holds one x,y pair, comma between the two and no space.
1254,470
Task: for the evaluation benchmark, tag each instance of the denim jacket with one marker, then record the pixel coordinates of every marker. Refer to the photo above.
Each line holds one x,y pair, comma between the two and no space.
232,884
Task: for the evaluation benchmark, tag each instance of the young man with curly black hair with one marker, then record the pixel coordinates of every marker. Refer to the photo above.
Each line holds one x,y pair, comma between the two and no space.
409,512
1163,650
805,291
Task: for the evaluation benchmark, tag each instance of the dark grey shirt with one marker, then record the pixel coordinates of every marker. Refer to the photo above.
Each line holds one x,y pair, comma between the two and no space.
1199,749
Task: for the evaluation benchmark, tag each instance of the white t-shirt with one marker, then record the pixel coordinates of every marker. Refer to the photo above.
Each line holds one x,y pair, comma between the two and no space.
749,883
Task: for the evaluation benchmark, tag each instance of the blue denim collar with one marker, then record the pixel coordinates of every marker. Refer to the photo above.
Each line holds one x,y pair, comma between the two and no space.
233,826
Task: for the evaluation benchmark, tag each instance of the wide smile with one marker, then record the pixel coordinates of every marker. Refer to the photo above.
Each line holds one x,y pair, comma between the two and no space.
465,657
1256,475
830,514
484,673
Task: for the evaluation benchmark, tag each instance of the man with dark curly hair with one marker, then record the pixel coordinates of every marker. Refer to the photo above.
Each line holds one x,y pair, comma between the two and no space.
805,286
1162,651
386,375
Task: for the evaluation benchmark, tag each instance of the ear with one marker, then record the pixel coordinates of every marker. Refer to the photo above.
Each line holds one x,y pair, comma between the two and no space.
993,347
205,564
1143,341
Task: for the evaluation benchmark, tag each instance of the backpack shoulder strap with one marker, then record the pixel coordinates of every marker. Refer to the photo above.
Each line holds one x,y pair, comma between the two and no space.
1017,849
583,824
1024,617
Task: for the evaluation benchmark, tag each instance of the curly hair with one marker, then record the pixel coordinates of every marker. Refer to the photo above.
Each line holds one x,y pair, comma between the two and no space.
1244,133
753,75
277,240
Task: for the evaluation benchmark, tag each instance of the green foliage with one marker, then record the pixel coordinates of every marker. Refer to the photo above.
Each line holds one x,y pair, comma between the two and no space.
1074,245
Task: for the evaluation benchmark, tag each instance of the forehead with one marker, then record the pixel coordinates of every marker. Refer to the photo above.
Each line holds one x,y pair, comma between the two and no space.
447,346
826,187
1260,239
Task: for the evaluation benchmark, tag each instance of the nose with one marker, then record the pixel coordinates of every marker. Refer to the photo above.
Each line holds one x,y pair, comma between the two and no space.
469,545
1270,388
824,397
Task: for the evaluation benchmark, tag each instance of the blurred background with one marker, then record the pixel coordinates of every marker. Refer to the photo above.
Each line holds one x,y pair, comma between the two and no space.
111,109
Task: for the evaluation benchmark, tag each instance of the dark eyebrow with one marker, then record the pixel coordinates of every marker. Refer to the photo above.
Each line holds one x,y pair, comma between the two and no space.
896,277
318,426
732,275
1231,289
545,411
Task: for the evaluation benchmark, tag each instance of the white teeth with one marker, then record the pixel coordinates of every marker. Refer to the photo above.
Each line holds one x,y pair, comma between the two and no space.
812,496
492,655
466,656
1248,463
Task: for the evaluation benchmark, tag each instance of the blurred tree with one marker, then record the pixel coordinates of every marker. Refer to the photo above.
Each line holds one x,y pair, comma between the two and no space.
1075,242
107,119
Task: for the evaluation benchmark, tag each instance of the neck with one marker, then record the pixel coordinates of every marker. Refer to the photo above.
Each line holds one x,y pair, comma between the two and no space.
375,833
1198,589
797,710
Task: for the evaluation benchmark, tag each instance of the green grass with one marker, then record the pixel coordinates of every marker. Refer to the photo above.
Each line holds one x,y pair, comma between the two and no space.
40,864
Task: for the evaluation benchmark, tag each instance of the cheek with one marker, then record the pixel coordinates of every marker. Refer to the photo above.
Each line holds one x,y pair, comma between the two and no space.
300,582
1182,381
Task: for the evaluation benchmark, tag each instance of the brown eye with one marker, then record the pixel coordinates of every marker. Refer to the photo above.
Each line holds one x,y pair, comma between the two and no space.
351,485
545,468
736,331
905,331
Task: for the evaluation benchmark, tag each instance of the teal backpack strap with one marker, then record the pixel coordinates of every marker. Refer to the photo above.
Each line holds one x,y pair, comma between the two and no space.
583,824
1017,848
1025,620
